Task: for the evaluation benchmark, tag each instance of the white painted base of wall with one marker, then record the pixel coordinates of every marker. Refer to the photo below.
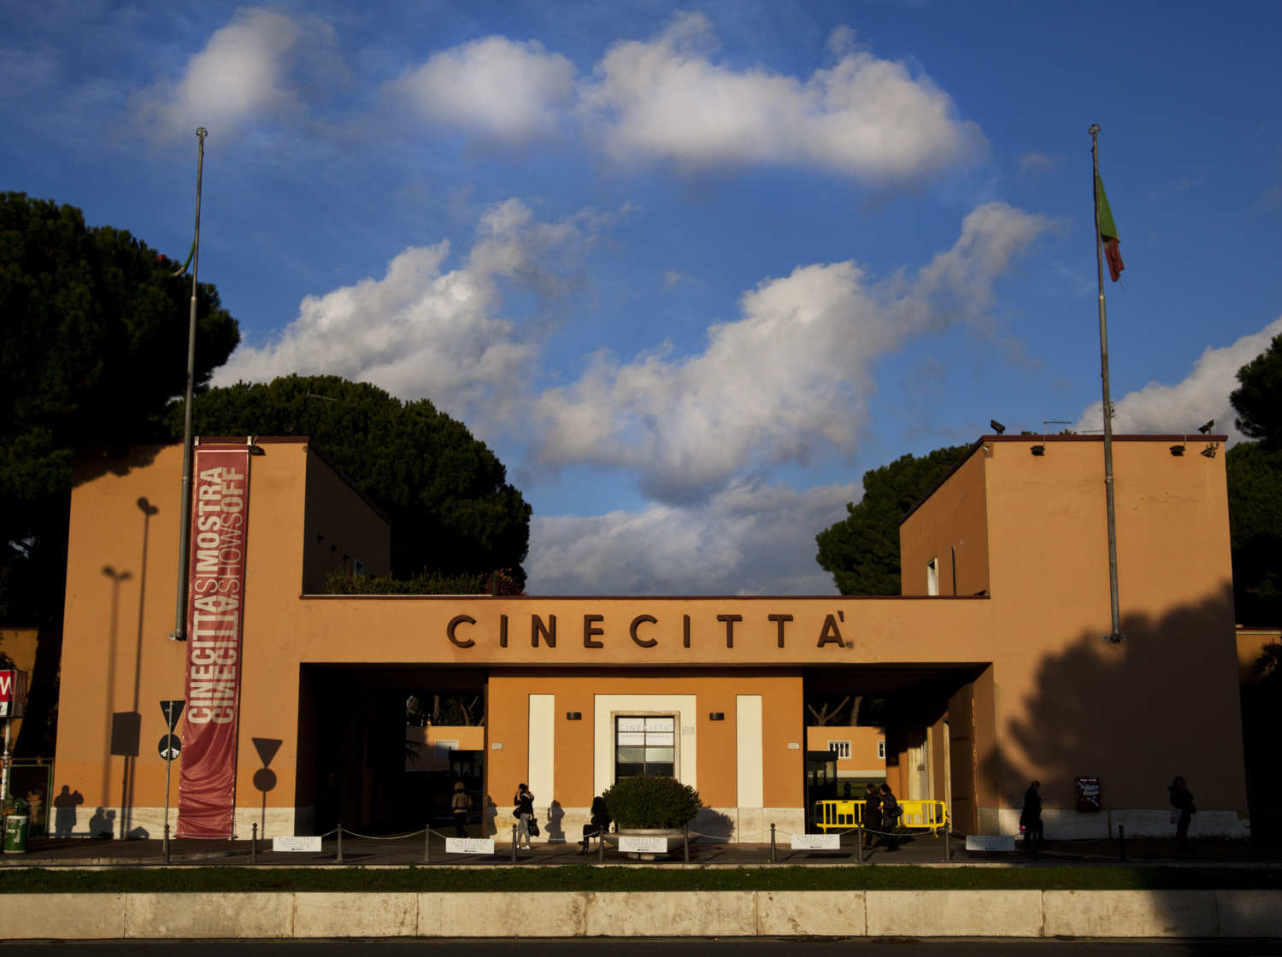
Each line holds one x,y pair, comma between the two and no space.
734,825
1030,914
1067,825
149,822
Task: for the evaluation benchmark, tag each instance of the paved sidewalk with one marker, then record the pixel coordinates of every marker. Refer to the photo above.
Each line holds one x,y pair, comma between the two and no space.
403,852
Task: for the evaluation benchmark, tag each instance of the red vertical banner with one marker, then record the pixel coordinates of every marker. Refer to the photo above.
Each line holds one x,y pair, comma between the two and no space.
215,605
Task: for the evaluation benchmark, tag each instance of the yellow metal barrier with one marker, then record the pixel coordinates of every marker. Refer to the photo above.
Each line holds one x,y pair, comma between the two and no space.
839,815
924,815
846,815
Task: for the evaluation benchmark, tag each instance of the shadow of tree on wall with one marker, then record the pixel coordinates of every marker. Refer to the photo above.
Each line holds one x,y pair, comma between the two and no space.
1097,707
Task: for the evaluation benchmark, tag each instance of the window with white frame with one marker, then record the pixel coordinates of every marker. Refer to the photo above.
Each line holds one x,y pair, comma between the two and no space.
840,748
645,746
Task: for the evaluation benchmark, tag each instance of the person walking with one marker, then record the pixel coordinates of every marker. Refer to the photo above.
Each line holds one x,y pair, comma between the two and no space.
1030,818
597,826
1182,801
872,807
890,813
460,805
524,810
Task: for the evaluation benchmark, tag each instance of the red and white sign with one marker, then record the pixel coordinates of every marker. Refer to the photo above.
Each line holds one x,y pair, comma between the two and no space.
13,693
215,605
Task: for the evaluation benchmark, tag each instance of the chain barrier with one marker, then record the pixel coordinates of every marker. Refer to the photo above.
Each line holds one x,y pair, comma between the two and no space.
603,839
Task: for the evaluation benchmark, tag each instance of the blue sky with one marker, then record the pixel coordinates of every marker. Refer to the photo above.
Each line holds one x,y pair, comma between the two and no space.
690,270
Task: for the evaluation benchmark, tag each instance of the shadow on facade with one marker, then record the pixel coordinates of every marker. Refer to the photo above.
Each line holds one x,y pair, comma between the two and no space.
1106,710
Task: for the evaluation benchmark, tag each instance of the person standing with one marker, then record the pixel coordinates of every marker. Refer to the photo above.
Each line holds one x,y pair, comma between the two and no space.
1182,801
524,808
889,816
1030,818
460,805
872,806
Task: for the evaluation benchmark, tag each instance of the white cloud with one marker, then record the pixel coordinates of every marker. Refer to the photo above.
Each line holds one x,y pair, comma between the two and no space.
508,91
1037,163
866,117
1202,395
424,330
759,538
790,376
245,72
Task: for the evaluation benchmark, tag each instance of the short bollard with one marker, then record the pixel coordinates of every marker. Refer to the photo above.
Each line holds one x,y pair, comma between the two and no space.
339,856
1121,841
685,844
513,843
253,843
859,846
948,845
600,848
427,844
772,843
165,848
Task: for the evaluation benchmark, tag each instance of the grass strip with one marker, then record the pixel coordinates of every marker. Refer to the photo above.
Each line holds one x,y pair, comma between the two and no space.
583,878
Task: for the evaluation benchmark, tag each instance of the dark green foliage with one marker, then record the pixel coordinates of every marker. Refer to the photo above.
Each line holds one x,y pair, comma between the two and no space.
93,344
341,583
446,494
525,879
1255,524
862,550
1258,401
657,802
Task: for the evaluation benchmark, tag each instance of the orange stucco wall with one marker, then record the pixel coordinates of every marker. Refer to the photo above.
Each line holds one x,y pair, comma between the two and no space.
952,528
716,769
863,747
341,529
1045,696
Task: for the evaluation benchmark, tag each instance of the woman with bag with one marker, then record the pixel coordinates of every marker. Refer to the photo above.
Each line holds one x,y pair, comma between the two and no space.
524,812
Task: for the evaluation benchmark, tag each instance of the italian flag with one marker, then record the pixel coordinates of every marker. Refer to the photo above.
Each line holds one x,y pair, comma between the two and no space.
1108,232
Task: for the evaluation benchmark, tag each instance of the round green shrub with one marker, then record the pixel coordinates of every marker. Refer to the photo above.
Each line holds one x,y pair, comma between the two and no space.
643,802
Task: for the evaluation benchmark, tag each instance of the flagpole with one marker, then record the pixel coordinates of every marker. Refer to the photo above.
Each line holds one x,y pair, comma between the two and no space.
1116,635
184,522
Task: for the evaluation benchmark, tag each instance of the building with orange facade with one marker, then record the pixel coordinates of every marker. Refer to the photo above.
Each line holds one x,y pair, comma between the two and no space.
992,670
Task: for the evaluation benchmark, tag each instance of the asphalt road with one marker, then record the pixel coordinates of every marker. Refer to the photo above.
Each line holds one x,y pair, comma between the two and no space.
684,947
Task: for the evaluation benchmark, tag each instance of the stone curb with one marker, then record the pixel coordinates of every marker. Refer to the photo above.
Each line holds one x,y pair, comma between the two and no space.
285,915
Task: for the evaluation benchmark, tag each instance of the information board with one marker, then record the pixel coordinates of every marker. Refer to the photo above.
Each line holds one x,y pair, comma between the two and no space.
469,845
642,844
305,844
816,842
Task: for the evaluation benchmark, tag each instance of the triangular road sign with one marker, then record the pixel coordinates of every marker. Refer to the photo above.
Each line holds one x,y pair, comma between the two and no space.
171,711
267,748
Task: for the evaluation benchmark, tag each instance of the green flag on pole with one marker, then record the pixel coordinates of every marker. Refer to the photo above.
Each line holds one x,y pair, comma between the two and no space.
1108,233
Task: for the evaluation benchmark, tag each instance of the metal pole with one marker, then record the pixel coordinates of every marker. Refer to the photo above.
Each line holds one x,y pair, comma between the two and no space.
169,764
4,776
427,843
513,843
859,846
253,843
773,859
685,844
165,846
1121,841
184,521
600,847
1116,634
339,858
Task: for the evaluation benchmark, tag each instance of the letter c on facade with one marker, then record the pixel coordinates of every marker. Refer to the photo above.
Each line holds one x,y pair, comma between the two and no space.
453,625
632,631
